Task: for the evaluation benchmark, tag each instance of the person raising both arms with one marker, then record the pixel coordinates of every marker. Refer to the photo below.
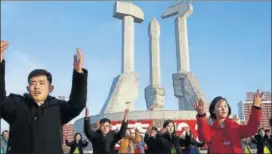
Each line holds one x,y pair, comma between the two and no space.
167,140
127,143
151,141
77,145
36,118
222,134
104,139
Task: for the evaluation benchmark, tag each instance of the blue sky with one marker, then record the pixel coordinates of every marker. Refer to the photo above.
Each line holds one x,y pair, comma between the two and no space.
229,42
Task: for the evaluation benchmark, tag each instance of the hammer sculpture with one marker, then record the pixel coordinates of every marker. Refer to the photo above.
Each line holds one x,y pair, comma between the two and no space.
182,11
128,13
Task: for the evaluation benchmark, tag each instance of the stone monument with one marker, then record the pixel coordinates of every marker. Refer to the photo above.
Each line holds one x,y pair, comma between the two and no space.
124,89
186,86
154,94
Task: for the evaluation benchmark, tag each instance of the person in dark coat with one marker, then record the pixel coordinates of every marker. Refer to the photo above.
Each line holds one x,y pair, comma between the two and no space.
261,141
104,139
268,135
191,145
168,141
77,145
36,118
268,138
150,140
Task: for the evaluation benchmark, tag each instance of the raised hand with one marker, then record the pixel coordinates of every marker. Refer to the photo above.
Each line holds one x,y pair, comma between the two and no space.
199,107
235,118
257,98
187,129
4,46
126,115
78,61
182,136
86,112
163,130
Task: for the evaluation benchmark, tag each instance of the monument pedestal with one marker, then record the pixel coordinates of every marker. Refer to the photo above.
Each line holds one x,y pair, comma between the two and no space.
124,89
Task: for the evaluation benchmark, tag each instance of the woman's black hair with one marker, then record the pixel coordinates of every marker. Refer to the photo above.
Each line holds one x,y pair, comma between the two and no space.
76,135
167,122
214,102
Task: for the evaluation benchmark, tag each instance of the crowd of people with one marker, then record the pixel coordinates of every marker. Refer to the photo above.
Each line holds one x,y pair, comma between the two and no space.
154,141
36,120
163,141
147,144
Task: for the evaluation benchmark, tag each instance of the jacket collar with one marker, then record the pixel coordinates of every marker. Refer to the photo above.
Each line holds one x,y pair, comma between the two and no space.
215,123
47,102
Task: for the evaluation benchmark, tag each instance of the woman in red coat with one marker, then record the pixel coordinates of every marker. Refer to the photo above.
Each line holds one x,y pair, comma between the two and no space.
222,134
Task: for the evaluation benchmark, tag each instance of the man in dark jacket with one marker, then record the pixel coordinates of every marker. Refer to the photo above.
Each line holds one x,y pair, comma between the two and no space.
268,138
104,139
36,118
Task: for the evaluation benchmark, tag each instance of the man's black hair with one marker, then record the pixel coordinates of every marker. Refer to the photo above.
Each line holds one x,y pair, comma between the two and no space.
40,72
214,102
104,120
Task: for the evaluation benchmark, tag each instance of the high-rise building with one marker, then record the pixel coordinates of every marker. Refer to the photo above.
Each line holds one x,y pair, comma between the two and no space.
244,108
68,131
